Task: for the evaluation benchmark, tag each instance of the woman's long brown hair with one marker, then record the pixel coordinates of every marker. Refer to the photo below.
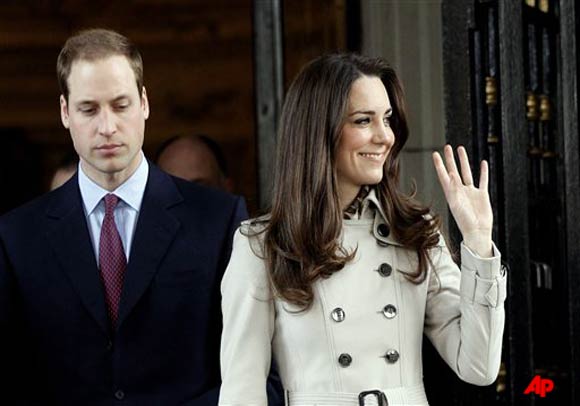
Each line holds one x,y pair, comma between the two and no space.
301,240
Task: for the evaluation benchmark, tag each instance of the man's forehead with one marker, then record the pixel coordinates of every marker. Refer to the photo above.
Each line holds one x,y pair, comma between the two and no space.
89,61
112,64
112,75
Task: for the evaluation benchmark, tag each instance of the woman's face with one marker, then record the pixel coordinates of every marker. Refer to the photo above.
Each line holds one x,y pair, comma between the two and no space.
366,137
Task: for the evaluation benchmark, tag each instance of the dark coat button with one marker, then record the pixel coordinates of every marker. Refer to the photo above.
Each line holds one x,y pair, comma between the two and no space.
109,345
383,230
389,311
392,356
338,315
119,395
344,360
385,270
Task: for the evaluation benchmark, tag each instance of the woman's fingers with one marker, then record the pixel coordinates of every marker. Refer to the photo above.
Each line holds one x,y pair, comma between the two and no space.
450,160
465,169
441,171
448,173
483,175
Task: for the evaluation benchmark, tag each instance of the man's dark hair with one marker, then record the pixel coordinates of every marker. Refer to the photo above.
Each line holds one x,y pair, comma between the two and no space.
95,44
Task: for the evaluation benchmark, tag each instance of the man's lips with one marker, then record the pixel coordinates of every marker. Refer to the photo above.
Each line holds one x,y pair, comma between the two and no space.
108,147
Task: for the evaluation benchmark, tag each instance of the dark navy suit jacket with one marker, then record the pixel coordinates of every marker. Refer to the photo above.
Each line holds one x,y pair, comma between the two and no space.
56,346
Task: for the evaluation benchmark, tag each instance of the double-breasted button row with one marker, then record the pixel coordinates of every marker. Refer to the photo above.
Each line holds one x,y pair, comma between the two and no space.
391,356
339,315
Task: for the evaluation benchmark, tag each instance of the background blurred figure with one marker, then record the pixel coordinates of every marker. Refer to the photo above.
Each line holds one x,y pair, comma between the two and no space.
65,170
196,158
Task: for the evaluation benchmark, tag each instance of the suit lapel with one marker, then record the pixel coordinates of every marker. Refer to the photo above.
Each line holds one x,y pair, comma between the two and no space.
156,229
70,240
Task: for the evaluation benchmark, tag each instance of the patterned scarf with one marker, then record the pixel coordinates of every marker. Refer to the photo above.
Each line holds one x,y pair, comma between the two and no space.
353,211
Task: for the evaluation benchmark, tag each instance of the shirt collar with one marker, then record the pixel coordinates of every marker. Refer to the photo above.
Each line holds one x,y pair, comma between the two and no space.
131,191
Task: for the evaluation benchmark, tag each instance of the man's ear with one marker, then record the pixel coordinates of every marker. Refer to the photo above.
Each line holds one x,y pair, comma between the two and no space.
145,103
64,112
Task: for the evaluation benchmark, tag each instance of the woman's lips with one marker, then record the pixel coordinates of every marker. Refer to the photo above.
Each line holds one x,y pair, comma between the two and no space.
373,156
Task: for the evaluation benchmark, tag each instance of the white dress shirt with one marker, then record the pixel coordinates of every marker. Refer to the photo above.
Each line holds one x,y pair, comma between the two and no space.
130,194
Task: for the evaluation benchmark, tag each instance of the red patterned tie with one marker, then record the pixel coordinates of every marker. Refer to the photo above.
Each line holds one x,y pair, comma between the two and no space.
111,259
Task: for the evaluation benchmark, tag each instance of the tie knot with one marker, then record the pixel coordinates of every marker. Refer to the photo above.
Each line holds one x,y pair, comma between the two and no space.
111,201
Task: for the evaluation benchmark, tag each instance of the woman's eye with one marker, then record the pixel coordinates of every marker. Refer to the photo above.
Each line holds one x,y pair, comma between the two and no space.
387,121
362,121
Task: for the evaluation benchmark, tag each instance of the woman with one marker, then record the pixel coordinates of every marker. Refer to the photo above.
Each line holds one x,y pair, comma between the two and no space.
342,278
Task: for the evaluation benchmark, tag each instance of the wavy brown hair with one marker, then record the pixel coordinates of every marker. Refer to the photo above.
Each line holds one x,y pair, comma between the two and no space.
301,241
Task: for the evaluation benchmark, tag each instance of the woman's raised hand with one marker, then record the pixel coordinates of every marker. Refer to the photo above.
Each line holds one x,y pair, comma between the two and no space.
470,205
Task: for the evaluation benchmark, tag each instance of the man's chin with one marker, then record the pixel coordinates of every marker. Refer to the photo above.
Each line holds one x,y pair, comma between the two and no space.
112,168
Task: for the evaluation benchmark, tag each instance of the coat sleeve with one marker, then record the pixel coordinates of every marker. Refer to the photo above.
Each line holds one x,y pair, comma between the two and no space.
464,315
248,327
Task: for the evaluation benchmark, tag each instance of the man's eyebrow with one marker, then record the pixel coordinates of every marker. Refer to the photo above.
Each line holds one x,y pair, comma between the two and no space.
84,102
90,101
120,97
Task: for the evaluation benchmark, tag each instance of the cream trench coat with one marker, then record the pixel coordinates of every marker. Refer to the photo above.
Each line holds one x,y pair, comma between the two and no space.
364,329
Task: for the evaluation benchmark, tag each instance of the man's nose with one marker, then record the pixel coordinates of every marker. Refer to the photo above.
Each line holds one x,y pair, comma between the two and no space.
107,125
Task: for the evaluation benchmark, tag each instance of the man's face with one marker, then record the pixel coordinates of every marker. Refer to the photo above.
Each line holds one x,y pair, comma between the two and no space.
106,118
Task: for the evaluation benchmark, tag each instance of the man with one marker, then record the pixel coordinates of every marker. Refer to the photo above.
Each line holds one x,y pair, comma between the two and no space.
109,285
196,158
